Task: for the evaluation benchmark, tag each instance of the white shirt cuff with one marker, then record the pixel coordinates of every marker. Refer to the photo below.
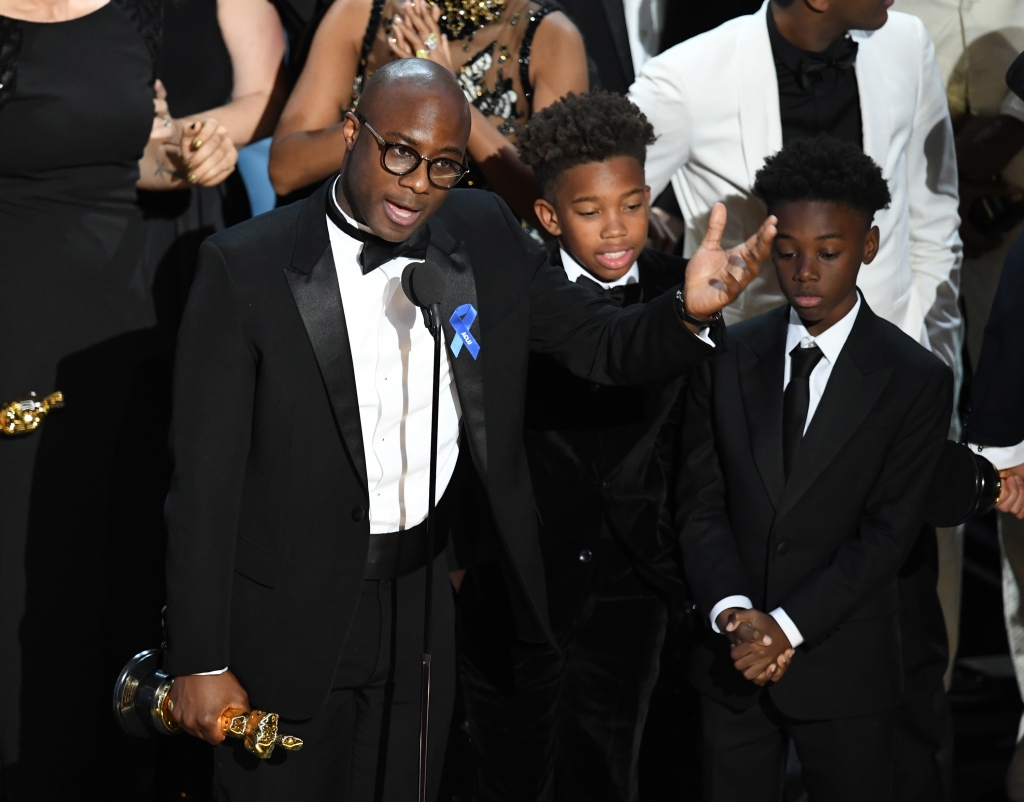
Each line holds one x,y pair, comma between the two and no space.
729,601
210,673
786,625
1002,457
703,335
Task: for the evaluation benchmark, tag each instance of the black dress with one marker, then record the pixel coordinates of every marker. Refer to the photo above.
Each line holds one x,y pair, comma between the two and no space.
195,68
81,535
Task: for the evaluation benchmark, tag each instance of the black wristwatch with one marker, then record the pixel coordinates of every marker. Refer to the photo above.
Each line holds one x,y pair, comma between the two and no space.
696,321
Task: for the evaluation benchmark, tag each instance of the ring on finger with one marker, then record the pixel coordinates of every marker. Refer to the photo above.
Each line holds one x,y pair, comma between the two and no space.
196,144
167,122
432,41
421,53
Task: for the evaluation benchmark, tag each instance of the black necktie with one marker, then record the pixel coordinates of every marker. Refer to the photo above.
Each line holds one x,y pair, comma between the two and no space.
796,400
623,294
840,55
376,251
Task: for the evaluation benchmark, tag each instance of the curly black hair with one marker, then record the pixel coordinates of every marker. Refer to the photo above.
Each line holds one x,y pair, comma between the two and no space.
579,129
823,169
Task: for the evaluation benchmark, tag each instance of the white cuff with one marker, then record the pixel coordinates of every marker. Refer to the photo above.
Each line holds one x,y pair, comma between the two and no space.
725,604
786,625
703,335
210,673
1002,457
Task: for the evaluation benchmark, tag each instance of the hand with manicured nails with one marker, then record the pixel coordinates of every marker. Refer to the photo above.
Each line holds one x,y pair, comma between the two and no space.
714,276
197,703
208,153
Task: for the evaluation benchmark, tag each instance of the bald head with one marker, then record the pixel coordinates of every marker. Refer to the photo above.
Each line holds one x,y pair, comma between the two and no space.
414,77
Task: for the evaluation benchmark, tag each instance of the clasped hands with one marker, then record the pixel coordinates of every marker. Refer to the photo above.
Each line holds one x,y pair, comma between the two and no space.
760,649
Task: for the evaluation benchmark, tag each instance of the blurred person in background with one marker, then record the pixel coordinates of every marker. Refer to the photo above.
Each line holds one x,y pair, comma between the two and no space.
511,57
81,532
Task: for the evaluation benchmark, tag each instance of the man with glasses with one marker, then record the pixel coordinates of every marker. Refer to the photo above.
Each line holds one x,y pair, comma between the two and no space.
301,435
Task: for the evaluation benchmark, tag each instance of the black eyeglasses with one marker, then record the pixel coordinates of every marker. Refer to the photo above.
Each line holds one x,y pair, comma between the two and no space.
399,159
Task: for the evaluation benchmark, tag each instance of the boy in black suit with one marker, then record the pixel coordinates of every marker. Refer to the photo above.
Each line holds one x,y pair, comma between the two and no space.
569,727
809,443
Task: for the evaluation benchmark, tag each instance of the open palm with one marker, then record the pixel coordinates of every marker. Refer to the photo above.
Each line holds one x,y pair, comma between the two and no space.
714,276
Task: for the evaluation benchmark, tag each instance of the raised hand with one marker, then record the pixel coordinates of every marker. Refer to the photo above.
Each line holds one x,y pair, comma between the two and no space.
714,276
415,30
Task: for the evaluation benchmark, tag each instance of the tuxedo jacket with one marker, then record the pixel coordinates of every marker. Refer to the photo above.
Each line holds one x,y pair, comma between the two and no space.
997,390
826,543
714,104
600,458
267,510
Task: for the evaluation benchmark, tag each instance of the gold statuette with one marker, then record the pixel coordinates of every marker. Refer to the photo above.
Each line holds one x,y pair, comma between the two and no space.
258,730
23,416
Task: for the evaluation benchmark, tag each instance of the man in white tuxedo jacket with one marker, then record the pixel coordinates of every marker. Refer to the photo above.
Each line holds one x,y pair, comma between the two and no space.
714,101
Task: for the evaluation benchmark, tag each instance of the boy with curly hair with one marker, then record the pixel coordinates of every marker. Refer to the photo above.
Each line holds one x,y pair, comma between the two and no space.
599,457
808,443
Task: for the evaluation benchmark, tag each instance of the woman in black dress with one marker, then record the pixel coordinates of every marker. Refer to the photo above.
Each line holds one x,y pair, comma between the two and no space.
81,535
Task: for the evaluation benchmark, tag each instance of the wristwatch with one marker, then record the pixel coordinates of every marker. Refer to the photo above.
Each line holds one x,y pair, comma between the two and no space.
696,321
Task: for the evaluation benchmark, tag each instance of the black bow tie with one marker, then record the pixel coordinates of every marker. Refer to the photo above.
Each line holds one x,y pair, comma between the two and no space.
623,294
377,251
840,55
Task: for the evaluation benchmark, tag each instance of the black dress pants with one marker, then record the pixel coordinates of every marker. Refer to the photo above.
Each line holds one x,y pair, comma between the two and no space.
363,745
842,760
565,728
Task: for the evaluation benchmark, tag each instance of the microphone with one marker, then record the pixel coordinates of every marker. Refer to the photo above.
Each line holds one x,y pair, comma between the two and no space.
424,285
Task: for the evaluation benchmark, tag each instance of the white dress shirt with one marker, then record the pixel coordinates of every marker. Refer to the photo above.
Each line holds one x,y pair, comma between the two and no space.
644,21
831,342
391,355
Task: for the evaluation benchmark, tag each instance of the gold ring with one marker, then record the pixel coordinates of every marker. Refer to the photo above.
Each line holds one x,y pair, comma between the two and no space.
421,53
198,143
191,178
431,41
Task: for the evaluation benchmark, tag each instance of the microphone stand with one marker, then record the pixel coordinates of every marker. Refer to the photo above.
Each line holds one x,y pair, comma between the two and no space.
428,594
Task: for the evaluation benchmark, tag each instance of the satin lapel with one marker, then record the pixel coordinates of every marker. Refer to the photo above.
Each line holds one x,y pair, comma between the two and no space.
760,120
761,373
874,110
318,299
849,396
452,258
620,35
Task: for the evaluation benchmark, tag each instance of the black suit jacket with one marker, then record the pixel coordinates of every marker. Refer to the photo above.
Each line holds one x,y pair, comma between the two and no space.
600,458
268,532
997,391
826,544
602,23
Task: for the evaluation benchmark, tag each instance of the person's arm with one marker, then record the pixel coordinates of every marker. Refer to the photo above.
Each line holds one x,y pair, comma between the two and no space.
308,142
890,522
660,92
558,66
935,248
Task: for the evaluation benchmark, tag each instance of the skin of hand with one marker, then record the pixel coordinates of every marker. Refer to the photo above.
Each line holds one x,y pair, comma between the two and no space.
1011,498
197,703
457,577
761,661
714,276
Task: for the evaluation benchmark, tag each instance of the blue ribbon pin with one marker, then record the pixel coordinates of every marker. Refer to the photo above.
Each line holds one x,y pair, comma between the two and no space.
461,320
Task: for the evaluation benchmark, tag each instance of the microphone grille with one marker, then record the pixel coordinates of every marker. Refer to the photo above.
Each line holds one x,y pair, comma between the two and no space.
424,284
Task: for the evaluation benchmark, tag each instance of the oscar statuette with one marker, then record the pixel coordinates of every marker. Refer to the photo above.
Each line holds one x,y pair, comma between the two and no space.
23,415
141,709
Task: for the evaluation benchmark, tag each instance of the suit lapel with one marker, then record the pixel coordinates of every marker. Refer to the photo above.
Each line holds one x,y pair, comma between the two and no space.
314,284
856,384
613,10
451,256
761,373
874,111
760,119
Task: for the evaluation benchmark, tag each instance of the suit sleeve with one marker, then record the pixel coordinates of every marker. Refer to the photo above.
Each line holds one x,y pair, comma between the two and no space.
214,385
935,248
660,92
595,339
710,558
891,522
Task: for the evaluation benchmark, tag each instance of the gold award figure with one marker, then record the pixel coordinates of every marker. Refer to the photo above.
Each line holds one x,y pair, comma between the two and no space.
23,416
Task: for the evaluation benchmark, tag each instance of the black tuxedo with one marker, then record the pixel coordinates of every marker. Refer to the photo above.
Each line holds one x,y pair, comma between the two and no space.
602,24
825,545
267,508
599,459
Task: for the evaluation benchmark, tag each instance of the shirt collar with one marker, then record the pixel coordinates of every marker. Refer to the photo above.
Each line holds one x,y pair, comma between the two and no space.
334,201
830,341
573,270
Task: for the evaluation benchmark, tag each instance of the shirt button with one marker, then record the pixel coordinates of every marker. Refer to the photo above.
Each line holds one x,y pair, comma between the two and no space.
782,548
586,556
358,513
